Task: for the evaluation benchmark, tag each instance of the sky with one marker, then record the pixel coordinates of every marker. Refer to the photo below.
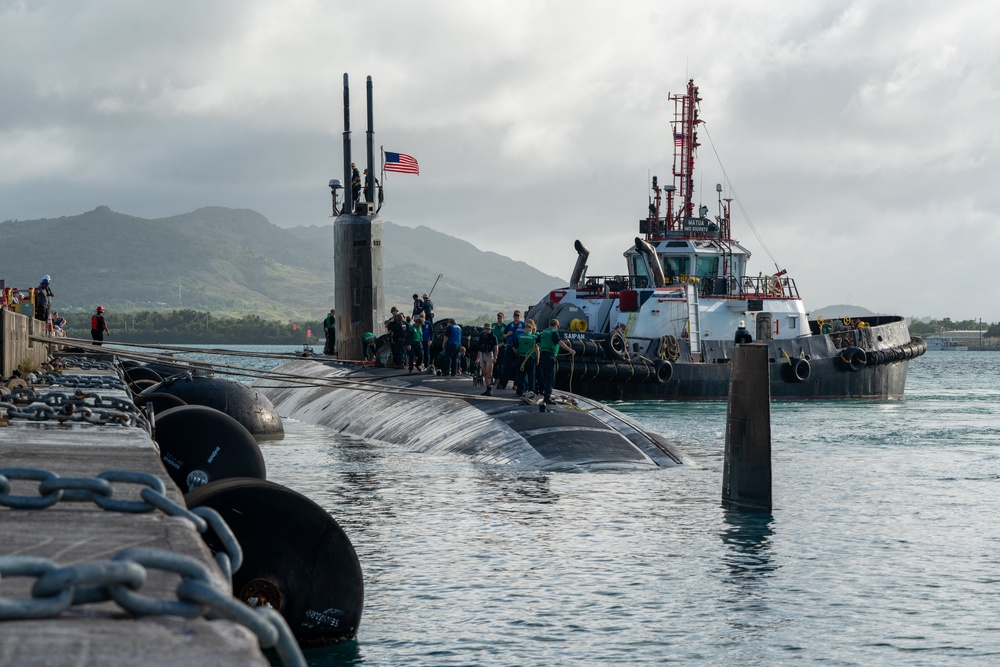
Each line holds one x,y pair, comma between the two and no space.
860,139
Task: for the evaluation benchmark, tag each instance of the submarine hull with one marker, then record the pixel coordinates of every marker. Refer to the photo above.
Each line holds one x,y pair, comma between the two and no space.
426,413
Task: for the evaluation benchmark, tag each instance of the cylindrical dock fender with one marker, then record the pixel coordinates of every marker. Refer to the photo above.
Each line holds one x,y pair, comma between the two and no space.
241,402
296,557
798,370
140,378
852,359
159,402
199,444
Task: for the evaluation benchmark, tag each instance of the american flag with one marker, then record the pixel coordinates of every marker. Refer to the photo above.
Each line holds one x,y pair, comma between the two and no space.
401,162
678,139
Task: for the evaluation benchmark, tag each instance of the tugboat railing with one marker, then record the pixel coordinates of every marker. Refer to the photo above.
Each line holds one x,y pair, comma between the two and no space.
718,287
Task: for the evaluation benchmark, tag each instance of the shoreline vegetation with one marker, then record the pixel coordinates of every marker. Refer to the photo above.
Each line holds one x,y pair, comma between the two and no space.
197,328
201,327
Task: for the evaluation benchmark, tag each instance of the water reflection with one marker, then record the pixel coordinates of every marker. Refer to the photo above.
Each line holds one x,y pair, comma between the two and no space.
516,486
748,537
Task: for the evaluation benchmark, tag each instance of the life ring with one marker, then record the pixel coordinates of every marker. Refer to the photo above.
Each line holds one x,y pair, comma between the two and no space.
663,369
798,370
853,359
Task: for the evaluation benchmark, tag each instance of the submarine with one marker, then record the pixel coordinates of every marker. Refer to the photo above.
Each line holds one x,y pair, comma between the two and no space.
419,412
426,413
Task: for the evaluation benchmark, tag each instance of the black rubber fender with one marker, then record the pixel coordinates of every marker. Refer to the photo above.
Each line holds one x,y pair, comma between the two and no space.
199,444
798,370
295,557
852,359
159,401
663,370
140,378
615,345
240,401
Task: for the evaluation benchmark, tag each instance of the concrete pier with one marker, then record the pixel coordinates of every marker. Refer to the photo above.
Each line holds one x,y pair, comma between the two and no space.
70,533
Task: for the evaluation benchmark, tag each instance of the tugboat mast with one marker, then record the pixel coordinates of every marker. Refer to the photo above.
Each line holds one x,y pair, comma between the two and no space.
682,222
685,143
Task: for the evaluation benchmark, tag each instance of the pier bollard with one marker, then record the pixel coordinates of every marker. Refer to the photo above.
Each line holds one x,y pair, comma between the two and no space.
746,478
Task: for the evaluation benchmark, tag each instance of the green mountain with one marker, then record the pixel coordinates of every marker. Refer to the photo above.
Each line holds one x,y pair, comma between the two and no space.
235,262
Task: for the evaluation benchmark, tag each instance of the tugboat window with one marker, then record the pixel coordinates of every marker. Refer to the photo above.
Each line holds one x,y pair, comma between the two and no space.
640,276
678,264
708,267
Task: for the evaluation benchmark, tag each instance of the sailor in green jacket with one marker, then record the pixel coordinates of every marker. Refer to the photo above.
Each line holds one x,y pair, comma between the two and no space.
527,357
549,342
368,340
415,342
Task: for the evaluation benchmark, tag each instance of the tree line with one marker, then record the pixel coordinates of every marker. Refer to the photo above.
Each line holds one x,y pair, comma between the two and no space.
196,327
990,330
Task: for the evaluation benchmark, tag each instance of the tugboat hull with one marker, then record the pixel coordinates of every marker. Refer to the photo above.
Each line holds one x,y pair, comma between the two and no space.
871,364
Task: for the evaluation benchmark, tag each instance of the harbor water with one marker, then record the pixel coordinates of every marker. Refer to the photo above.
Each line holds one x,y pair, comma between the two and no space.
883,547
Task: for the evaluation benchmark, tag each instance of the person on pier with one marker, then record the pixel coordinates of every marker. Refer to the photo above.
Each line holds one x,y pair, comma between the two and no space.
98,326
42,295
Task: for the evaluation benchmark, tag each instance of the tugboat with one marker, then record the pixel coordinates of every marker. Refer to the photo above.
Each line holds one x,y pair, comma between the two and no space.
667,326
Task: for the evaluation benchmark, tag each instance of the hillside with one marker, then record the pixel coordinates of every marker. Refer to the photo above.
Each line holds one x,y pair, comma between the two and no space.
235,262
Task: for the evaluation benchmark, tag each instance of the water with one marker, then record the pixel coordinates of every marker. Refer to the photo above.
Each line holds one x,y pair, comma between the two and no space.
882,547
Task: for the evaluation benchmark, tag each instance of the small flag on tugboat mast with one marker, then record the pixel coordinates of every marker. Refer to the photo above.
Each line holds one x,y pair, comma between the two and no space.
678,139
400,162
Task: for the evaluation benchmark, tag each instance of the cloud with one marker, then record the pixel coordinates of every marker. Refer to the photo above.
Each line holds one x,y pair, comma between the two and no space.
859,137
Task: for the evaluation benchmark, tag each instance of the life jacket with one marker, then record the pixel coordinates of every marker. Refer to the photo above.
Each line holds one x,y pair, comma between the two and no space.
93,323
545,342
525,344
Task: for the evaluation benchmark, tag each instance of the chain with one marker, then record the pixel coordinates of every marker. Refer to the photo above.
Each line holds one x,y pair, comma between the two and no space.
52,489
120,579
88,381
86,364
24,403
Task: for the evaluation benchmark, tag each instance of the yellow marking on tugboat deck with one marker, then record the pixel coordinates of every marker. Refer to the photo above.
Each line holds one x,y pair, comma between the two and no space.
68,533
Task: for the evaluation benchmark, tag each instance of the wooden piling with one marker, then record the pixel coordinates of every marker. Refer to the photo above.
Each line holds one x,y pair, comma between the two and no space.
746,480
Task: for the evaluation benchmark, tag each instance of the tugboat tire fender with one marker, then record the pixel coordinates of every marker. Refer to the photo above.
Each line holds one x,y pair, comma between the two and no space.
853,359
798,370
615,345
663,370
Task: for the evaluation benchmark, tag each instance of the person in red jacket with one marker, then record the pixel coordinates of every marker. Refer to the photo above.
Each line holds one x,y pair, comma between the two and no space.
98,326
